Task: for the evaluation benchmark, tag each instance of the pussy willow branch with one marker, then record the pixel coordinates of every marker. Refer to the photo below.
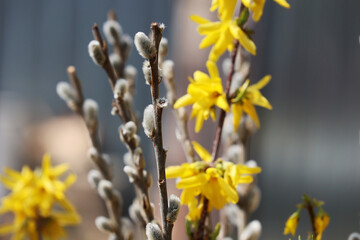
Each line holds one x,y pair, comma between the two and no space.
117,46
160,153
125,114
111,204
123,111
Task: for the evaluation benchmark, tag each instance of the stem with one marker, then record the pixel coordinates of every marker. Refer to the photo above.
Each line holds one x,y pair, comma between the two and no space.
310,209
160,153
217,139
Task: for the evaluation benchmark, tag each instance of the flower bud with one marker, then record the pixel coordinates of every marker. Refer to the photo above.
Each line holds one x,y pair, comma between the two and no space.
105,189
168,71
104,224
163,49
96,53
126,43
131,172
149,121
112,31
120,88
130,73
129,129
153,232
173,209
235,154
354,236
66,91
144,45
94,177
135,213
139,160
252,231
162,102
147,72
90,109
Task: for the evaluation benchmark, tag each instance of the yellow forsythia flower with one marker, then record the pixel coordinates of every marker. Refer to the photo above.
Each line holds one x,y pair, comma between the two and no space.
32,200
204,92
321,222
221,34
225,7
291,224
257,7
246,98
216,181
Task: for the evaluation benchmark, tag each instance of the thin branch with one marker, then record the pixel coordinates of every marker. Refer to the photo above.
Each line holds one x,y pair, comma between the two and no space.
160,153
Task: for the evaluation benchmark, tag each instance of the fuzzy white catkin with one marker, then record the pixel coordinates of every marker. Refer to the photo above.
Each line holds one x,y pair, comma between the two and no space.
131,172
163,47
235,154
252,231
173,209
115,60
168,70
237,81
153,231
94,177
104,224
144,45
149,121
126,43
96,52
90,109
105,189
147,72
354,236
66,91
129,129
130,73
120,88
112,31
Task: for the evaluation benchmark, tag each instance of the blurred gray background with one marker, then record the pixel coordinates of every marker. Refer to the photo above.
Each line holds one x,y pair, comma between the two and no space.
309,143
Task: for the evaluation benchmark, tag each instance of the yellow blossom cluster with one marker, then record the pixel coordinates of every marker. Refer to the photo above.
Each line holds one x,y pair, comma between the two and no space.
215,181
206,92
38,202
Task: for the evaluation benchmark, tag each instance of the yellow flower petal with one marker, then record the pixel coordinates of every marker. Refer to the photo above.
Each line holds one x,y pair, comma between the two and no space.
228,191
209,40
237,112
244,40
283,3
194,181
199,19
202,152
260,84
207,28
221,102
250,110
183,101
213,70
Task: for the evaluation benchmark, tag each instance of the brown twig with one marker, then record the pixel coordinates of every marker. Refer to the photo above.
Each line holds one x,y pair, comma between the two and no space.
160,153
310,208
123,112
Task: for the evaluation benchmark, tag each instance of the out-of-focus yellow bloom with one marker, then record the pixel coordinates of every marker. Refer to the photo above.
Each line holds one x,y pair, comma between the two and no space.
216,181
204,92
247,97
291,224
257,7
38,202
225,7
222,33
321,222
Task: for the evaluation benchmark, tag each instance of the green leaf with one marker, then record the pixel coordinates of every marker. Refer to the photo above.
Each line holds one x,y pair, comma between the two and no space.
244,16
216,232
